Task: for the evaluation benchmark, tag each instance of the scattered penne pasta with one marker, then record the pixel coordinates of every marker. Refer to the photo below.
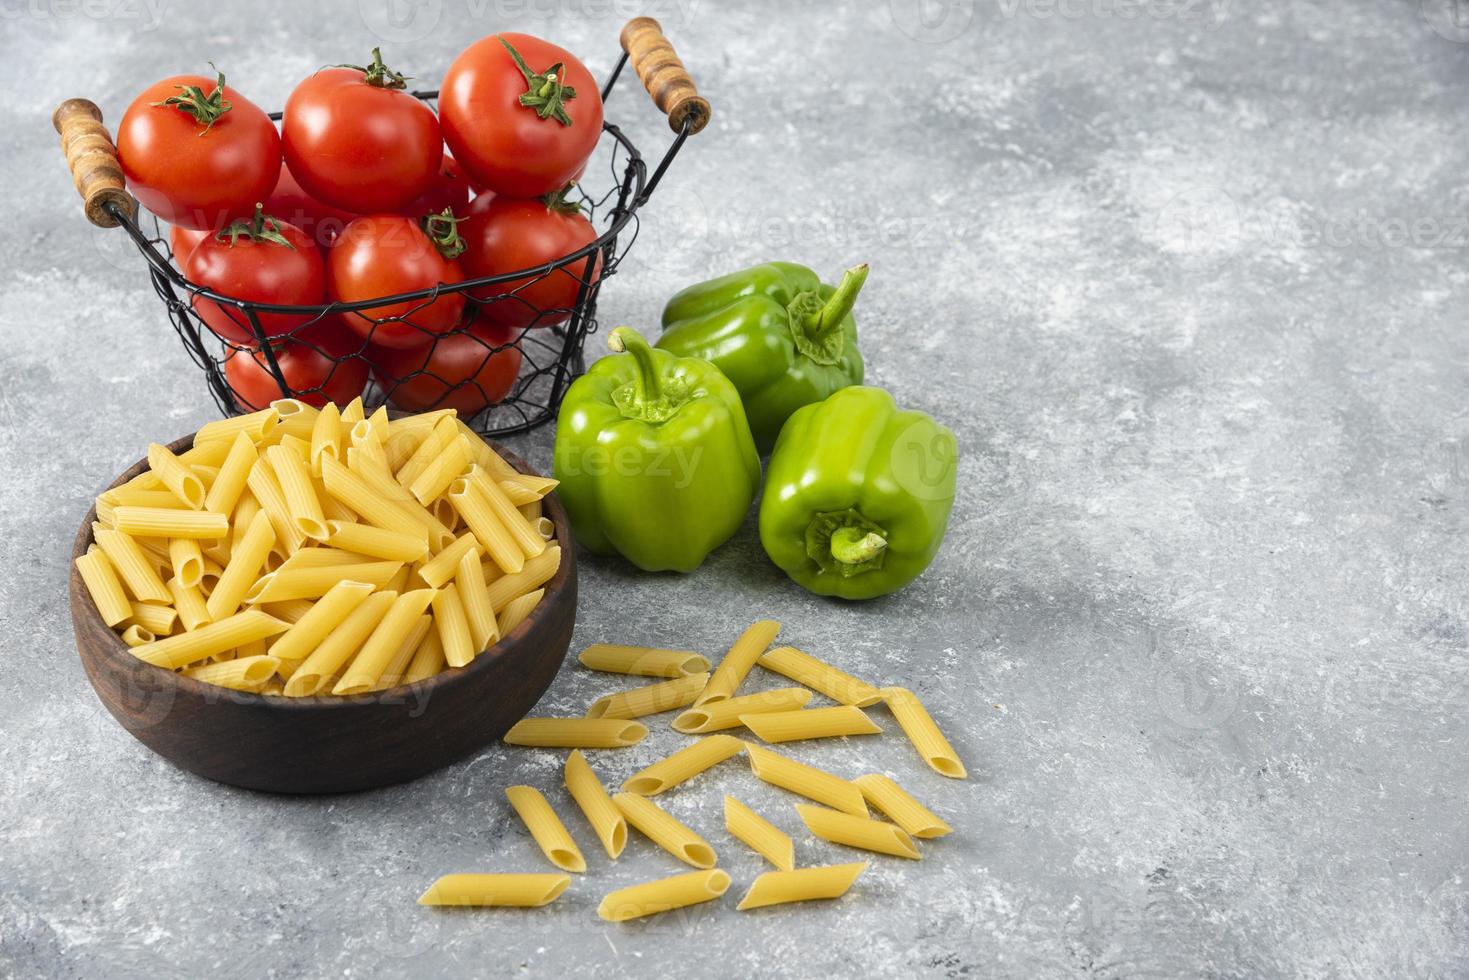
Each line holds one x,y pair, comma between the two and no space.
803,885
853,831
549,832
808,781
607,821
683,765
736,664
519,891
718,716
900,807
762,836
664,895
651,699
576,733
820,677
793,726
643,661
665,830
921,730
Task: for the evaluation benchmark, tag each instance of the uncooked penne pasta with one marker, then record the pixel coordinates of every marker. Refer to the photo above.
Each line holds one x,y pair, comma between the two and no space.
762,836
524,535
516,891
360,498
376,476
736,664
887,796
352,413
780,887
136,636
487,528
210,578
469,583
720,715
607,821
125,496
154,618
224,493
808,781
549,832
255,425
453,626
326,436
921,730
522,488
666,894
133,567
518,610
176,476
483,456
186,559
297,418
245,511
793,726
295,483
427,660
364,539
292,610
340,644
643,661
576,733
309,582
537,572
820,677
307,632
683,765
367,666
649,699
189,601
104,587
320,556
244,568
241,674
665,830
183,649
441,471
441,434
267,491
853,831
439,570
164,522
397,667
545,527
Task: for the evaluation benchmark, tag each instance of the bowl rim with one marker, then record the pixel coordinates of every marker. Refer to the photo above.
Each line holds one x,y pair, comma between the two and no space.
120,655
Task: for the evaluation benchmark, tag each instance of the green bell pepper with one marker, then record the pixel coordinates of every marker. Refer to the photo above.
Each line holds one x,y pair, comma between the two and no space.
654,456
784,337
857,494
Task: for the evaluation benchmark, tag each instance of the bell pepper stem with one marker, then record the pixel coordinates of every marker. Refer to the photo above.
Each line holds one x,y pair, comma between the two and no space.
628,340
853,546
842,300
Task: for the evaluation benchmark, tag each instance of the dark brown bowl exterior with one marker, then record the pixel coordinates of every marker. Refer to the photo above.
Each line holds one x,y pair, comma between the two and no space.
328,744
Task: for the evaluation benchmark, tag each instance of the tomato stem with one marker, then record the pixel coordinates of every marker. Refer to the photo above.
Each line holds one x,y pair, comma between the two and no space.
544,92
378,74
443,230
206,109
557,201
260,228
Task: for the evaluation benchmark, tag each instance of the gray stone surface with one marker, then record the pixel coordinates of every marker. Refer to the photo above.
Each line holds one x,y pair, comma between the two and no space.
1187,279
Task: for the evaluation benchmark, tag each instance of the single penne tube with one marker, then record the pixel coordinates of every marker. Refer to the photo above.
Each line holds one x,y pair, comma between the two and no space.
664,895
308,583
256,426
186,559
380,422
808,781
475,511
397,667
439,570
297,417
854,831
721,715
210,578
326,436
731,672
792,726
161,522
522,488
241,674
211,453
421,423
153,617
340,644
368,443
434,440
820,677
353,413
642,661
518,610
295,483
576,733
469,582
444,512
157,550
521,531
183,649
358,497
126,496
292,610
537,572
650,699
206,475
375,474
900,806
241,573
596,805
665,830
189,601
804,885
224,493
364,539
135,635
453,626
683,765
515,891
267,492
545,527
104,587
245,511
367,667
483,456
443,470
546,828
181,481
136,569
322,555
427,660
921,730
762,836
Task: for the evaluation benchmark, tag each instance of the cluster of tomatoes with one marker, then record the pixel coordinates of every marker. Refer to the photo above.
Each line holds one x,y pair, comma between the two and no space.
356,198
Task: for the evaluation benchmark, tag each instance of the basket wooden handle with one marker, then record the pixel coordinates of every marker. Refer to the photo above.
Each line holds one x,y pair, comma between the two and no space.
92,158
663,75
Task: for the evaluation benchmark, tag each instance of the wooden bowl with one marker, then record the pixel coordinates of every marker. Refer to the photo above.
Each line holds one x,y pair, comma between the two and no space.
328,744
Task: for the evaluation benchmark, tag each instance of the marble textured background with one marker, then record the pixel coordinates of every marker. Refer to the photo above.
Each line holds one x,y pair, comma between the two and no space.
1187,278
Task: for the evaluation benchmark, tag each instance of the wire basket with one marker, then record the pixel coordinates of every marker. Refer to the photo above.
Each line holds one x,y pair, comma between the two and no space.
499,396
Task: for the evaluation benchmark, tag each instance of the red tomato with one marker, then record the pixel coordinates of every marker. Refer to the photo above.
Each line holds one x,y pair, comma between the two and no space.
356,140
483,359
450,190
261,260
504,145
386,254
290,202
510,234
196,152
182,241
316,367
